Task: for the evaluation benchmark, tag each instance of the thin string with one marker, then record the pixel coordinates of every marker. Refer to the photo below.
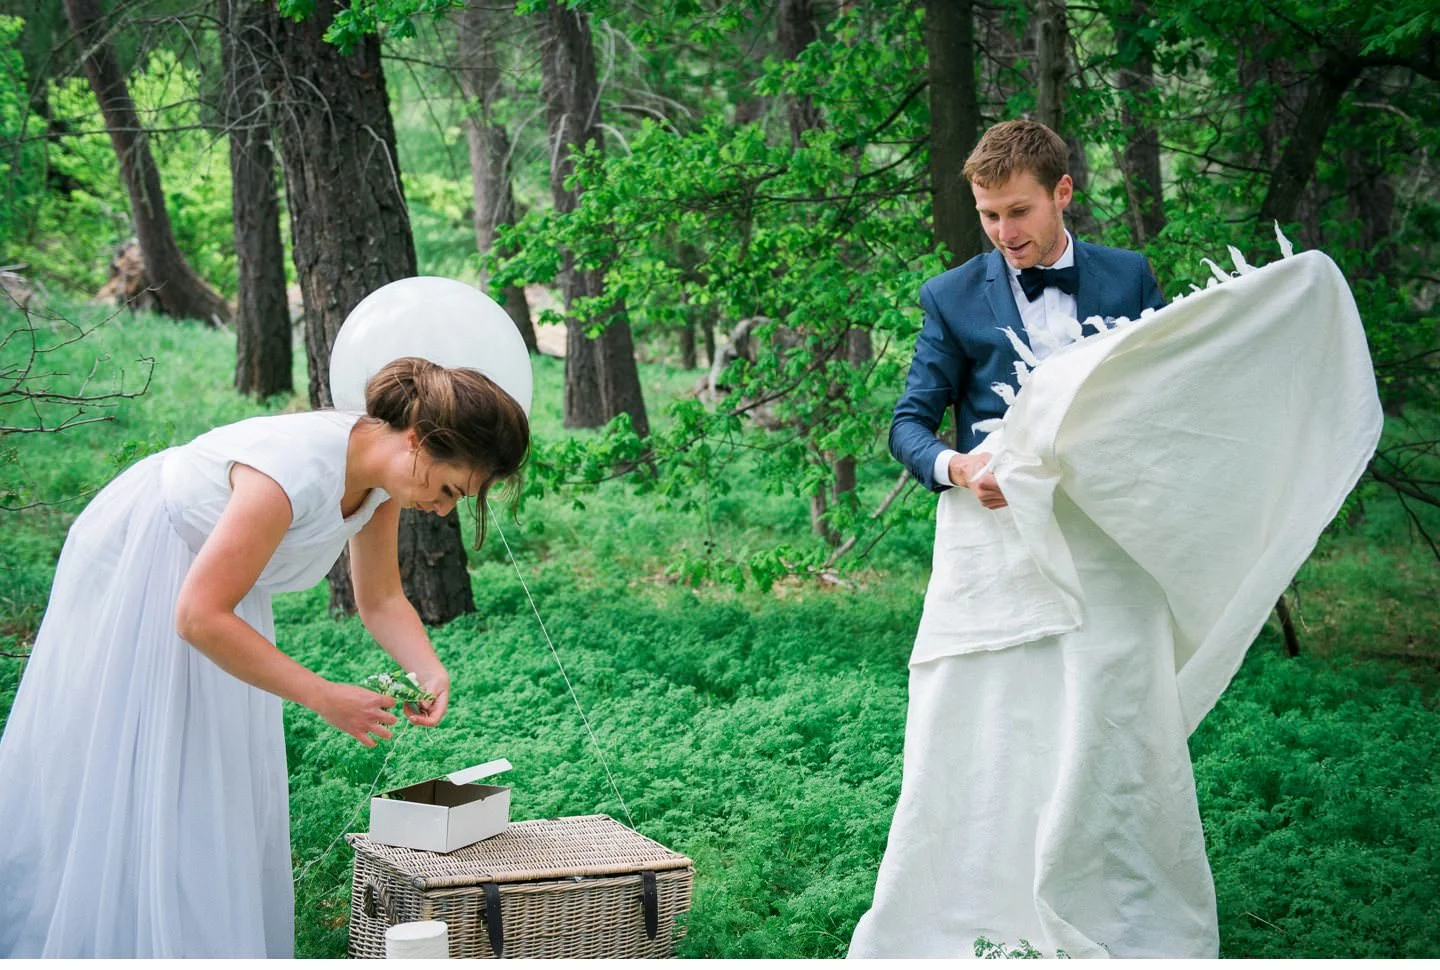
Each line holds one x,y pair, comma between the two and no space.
593,740
395,745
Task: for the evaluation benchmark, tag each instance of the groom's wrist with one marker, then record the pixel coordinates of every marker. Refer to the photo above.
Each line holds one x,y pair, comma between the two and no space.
942,467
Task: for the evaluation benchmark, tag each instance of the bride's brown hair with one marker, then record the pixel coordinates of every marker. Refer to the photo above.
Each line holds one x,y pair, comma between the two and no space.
459,416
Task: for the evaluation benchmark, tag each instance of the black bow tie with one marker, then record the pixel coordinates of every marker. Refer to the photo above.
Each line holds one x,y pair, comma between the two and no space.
1034,280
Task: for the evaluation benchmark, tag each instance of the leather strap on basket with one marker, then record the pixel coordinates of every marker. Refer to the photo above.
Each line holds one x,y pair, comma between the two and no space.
650,902
493,926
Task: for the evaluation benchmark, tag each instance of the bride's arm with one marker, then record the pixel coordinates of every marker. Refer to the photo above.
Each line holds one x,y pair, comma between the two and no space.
388,615
225,570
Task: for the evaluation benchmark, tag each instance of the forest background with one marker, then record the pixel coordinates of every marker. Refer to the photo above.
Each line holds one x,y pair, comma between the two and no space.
711,219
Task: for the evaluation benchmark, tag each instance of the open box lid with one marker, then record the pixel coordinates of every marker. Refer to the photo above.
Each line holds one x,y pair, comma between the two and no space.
466,775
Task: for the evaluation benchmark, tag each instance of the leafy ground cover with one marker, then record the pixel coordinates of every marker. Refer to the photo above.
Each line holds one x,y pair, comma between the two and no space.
759,730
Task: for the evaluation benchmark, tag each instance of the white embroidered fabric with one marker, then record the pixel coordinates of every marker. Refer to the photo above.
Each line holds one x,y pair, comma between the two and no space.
1165,478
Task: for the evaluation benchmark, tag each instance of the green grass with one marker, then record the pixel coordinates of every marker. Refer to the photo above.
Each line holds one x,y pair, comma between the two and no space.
759,732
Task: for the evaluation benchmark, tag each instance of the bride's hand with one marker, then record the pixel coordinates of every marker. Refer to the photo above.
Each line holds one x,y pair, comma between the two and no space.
358,712
429,714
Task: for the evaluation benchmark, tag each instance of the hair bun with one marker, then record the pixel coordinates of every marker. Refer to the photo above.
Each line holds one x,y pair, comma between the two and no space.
459,416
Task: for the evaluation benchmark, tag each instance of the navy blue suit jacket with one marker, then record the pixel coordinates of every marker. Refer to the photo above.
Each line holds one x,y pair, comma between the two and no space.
962,349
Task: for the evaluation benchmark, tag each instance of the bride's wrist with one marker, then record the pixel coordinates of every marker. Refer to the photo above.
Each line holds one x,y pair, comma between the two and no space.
314,692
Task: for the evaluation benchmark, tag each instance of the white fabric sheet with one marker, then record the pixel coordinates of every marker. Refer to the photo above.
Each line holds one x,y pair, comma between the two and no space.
1165,481
145,804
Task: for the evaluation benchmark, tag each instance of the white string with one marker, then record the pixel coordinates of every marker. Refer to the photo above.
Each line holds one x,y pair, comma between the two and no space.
406,725
593,740
358,808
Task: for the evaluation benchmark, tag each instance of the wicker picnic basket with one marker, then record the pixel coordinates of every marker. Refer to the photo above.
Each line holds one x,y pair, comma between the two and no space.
584,886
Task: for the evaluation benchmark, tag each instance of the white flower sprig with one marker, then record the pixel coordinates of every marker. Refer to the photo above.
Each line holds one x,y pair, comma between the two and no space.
402,685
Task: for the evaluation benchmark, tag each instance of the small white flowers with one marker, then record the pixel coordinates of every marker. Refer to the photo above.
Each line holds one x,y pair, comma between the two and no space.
402,685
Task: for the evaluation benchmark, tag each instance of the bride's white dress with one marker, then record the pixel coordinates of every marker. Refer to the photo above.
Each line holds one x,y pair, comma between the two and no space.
144,801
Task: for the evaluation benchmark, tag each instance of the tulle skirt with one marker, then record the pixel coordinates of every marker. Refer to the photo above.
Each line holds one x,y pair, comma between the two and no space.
143,790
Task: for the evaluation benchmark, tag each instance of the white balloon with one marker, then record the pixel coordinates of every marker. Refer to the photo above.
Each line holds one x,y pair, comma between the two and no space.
445,321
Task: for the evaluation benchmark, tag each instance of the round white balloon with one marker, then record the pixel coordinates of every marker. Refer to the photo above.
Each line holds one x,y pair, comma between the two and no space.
445,321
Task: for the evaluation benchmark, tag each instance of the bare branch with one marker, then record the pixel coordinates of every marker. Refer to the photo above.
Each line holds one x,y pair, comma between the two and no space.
24,385
848,544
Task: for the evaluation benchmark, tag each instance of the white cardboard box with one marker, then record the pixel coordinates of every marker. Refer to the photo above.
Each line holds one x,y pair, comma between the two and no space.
443,814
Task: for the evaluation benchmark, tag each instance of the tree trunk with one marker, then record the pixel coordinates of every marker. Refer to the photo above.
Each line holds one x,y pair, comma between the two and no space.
954,124
263,362
707,330
350,233
1052,68
688,359
479,72
1140,158
1005,69
1287,627
1255,65
1297,162
859,352
819,503
178,291
1079,215
1051,55
795,32
1372,203
601,380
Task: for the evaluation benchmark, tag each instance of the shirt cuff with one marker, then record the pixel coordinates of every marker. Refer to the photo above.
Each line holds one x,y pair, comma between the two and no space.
942,467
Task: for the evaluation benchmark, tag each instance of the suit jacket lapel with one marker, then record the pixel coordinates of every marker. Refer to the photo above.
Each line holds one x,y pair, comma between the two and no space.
1087,300
1001,297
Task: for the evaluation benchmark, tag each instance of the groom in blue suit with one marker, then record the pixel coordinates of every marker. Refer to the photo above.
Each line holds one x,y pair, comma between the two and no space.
975,851
1035,275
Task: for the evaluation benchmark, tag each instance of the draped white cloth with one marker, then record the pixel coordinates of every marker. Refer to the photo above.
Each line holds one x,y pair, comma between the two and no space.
145,806
1165,481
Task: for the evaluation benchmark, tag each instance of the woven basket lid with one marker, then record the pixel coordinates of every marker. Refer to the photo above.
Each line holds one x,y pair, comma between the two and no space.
550,848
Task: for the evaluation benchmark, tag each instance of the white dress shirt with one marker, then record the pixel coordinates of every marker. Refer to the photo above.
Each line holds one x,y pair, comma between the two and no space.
1039,316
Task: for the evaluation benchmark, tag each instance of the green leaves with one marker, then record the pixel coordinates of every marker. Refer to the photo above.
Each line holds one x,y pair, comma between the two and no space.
359,18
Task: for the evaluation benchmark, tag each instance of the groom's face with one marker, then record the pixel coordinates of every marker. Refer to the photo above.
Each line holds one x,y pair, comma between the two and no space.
1024,221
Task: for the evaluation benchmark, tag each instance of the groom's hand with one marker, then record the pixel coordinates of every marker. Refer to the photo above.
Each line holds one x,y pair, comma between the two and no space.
963,472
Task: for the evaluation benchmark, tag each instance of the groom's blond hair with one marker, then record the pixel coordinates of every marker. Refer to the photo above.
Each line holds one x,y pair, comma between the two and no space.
1012,147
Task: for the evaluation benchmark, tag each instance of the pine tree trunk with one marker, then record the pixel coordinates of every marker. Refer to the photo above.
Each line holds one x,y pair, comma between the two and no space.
1297,162
350,233
479,73
1051,41
177,290
1140,158
819,505
1052,68
601,380
688,359
954,124
859,351
796,31
1372,203
1079,216
707,330
263,346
